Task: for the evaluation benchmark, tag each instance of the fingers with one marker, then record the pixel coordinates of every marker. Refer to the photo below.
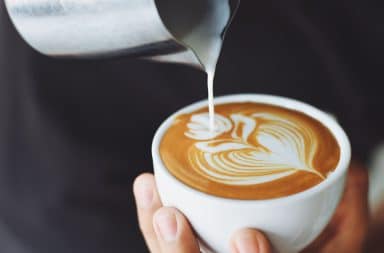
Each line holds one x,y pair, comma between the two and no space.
356,194
348,227
173,232
353,212
250,241
165,229
147,202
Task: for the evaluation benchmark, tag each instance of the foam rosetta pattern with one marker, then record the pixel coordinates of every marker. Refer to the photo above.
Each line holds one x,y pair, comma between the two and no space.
250,149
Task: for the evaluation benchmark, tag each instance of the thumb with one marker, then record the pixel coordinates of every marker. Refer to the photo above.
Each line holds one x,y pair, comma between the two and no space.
250,241
173,232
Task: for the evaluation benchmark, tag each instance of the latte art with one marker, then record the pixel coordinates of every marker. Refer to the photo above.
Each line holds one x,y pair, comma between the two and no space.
255,151
262,148
200,127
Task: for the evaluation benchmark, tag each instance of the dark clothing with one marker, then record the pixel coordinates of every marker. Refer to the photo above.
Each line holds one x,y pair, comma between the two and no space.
75,133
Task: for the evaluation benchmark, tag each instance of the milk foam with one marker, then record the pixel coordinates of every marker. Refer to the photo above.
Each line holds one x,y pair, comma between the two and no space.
206,41
263,147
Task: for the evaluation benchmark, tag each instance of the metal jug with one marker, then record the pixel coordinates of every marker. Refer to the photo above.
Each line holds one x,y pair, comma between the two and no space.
154,29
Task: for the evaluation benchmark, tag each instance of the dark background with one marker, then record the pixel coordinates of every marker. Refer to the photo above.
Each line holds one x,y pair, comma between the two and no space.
75,133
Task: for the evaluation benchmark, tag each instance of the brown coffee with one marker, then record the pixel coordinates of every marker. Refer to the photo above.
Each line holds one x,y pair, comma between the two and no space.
256,151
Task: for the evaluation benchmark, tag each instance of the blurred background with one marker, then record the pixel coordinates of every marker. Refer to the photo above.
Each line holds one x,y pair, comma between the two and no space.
75,133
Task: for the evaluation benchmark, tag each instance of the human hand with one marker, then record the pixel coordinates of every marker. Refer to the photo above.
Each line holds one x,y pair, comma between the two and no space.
347,231
166,230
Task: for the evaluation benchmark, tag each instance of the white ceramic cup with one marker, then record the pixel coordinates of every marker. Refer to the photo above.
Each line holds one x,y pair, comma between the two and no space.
291,223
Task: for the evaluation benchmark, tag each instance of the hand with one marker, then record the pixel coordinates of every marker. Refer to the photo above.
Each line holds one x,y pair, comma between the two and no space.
345,233
347,230
166,230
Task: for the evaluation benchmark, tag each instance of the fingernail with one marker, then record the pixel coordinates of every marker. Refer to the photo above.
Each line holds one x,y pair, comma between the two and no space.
247,244
166,223
144,195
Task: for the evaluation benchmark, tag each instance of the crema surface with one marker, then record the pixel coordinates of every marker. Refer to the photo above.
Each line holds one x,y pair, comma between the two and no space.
256,151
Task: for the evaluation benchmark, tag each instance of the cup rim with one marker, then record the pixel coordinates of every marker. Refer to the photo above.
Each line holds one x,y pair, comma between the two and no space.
288,103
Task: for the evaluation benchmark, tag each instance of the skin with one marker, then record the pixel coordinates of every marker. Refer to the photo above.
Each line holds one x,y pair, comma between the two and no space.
374,242
166,230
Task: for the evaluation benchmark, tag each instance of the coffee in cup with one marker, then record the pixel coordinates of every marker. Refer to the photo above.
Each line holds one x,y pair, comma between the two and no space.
255,151
270,163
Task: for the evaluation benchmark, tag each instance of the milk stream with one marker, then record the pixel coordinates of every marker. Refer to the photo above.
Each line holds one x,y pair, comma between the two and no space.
208,54
208,50
207,45
211,102
200,29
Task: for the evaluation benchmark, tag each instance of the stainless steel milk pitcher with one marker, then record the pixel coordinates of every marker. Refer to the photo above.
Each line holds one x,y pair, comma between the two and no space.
153,29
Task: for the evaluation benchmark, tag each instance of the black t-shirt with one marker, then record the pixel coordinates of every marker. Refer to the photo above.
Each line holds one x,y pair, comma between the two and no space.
75,133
